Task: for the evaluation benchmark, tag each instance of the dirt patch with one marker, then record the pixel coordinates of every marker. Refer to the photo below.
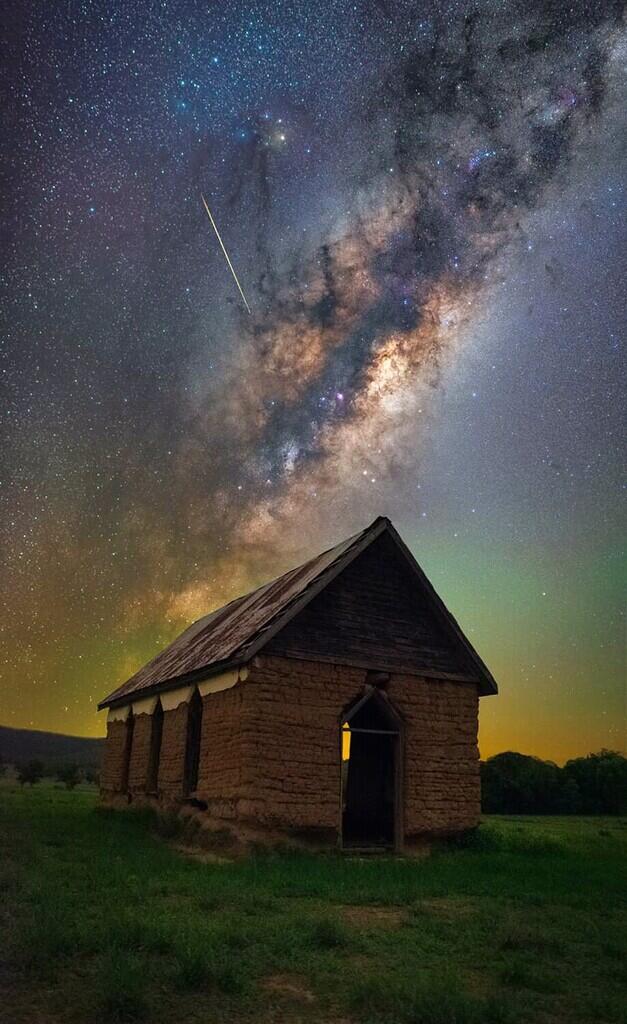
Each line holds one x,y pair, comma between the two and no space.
288,986
446,908
196,853
373,917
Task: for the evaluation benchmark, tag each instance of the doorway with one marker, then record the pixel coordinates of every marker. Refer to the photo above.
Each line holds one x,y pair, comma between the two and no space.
371,768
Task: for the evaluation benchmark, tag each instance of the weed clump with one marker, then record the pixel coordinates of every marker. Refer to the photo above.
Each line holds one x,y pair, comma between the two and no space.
428,1001
327,933
167,825
122,987
490,839
201,967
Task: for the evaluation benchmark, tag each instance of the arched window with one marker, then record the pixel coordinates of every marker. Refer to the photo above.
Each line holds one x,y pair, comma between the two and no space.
192,746
128,749
155,749
371,732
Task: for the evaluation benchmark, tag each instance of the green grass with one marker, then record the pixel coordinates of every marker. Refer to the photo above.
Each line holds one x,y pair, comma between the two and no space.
102,921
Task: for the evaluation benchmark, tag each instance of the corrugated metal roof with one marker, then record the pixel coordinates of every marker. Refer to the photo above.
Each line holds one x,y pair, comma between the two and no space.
234,633
225,635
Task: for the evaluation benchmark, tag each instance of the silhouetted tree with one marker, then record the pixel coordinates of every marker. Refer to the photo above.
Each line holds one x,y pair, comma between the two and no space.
571,797
31,772
514,783
517,784
69,774
601,780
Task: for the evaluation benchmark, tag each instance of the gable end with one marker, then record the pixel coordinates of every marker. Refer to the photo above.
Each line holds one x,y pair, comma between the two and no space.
377,614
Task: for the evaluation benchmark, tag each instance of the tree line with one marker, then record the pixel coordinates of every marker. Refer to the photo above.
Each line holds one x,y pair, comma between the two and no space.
33,771
514,783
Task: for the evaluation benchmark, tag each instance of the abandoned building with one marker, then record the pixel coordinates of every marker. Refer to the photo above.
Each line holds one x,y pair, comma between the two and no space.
337,704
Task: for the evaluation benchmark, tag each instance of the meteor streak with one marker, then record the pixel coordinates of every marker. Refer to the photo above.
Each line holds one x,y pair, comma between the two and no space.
231,268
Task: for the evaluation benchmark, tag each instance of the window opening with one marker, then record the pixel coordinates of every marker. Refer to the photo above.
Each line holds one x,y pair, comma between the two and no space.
156,734
128,748
192,746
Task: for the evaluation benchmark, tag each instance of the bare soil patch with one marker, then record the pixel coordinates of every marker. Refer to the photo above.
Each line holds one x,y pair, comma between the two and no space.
447,908
197,853
373,917
289,986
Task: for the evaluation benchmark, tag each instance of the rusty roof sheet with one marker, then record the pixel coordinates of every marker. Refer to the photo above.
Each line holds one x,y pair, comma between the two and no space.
233,634
227,635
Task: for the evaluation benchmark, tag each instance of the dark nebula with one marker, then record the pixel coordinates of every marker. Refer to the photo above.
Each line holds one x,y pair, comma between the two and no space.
423,202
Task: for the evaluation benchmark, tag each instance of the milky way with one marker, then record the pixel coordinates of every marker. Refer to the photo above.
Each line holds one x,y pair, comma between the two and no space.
380,175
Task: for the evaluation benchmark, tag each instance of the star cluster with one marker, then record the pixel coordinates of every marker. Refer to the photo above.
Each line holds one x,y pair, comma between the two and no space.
423,202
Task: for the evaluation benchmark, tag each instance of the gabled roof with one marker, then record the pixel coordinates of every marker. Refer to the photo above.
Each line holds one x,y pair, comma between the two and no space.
232,635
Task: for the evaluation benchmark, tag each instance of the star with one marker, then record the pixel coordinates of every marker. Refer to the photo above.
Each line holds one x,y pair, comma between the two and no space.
424,211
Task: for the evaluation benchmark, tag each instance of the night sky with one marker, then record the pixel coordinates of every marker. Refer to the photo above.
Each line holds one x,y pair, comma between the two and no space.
423,203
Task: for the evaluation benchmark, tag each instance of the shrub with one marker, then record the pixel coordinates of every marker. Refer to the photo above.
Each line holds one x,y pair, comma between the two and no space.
168,825
70,775
328,933
31,772
199,966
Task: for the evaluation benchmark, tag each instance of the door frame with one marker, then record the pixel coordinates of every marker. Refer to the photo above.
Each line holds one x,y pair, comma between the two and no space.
398,747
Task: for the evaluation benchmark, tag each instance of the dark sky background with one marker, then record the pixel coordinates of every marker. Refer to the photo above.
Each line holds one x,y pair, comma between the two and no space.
424,203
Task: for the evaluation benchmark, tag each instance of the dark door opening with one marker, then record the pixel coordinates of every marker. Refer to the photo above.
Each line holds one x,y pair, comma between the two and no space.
370,773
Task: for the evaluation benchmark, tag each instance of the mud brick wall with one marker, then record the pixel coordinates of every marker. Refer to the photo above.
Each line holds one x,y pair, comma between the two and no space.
270,748
172,759
140,754
224,768
296,750
113,758
296,745
442,786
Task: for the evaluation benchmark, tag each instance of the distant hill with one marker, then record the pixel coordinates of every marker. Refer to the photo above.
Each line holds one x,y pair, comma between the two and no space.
54,749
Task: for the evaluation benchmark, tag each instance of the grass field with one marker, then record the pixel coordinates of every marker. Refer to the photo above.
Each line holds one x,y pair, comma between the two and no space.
103,921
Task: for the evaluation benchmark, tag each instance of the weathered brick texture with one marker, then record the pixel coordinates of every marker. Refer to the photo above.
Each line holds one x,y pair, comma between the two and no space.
140,754
225,769
172,760
296,707
270,749
295,743
113,760
442,789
